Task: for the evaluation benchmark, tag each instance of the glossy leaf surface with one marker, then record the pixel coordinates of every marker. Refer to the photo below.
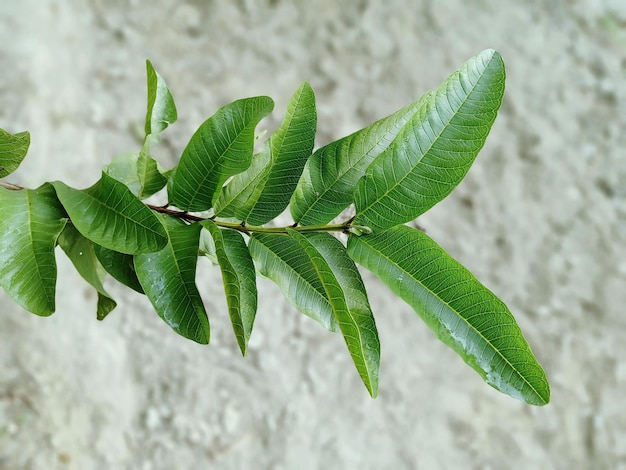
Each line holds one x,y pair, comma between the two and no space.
221,147
81,252
462,312
262,192
346,294
327,184
30,223
161,109
13,149
239,278
108,214
168,279
281,259
436,148
150,178
119,265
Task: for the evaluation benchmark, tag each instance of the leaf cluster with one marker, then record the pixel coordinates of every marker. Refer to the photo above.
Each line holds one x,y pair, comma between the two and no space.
222,199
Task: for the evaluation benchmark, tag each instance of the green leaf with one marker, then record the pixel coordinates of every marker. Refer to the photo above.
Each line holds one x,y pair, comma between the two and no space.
207,248
462,312
108,214
81,252
150,178
435,150
13,149
241,193
139,172
327,184
119,265
262,192
239,278
350,306
281,259
168,278
221,147
161,109
30,223
123,168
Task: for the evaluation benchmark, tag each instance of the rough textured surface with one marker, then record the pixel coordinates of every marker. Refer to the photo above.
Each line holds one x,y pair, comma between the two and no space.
540,219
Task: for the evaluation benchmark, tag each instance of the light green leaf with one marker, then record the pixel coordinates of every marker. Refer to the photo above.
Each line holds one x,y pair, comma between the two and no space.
108,214
240,194
81,252
161,109
281,259
221,147
207,248
436,148
123,168
349,305
239,278
150,178
327,184
13,149
139,172
119,265
30,223
168,278
462,312
262,192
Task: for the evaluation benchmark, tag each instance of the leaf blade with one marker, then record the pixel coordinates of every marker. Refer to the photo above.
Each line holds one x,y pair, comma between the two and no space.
81,253
436,149
462,313
168,279
30,223
109,215
281,259
13,149
239,277
291,146
327,183
161,108
355,320
220,148
120,266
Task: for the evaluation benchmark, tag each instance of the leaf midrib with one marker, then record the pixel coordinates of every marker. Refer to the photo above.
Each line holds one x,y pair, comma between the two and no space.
432,143
292,270
462,318
344,307
99,202
184,283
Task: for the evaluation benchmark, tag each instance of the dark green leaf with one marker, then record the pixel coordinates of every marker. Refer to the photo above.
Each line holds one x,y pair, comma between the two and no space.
327,184
435,149
281,259
161,109
239,278
221,147
462,312
168,278
30,223
262,192
119,265
13,149
81,252
108,214
349,304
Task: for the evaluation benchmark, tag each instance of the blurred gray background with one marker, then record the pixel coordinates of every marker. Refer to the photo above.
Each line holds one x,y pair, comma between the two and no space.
540,219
